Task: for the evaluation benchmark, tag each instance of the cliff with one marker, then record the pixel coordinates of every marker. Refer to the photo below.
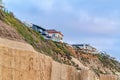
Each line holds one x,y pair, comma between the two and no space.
19,61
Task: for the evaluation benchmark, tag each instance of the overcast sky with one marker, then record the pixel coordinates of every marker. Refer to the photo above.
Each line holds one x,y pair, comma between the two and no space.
96,22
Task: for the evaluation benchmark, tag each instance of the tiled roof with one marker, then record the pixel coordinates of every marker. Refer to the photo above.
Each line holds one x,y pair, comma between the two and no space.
54,31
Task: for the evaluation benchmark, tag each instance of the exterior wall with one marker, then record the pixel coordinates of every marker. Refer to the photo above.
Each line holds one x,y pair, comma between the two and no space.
41,31
56,37
86,48
34,28
51,36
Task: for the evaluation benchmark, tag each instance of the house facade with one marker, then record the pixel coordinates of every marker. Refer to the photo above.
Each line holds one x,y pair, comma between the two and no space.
55,35
86,48
41,30
48,34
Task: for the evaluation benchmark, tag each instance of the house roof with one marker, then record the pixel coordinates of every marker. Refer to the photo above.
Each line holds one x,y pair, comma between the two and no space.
80,45
39,27
54,31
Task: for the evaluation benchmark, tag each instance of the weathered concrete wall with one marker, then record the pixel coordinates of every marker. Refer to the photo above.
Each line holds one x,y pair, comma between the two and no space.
19,61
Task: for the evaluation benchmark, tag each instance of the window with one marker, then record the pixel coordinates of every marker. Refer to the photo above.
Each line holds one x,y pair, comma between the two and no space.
53,35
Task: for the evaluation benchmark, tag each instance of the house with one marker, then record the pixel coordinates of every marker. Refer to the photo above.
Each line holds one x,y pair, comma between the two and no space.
41,30
47,34
86,48
55,35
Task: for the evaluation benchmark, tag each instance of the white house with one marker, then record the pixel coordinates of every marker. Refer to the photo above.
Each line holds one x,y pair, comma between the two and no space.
47,34
86,48
55,35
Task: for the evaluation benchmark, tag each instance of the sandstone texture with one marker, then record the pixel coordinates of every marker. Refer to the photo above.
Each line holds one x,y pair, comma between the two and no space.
108,77
19,61
6,31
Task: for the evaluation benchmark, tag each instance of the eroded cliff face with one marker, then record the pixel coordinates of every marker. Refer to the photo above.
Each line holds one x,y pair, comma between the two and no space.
108,77
19,61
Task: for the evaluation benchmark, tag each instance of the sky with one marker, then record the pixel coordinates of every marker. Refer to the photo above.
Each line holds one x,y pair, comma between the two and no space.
95,22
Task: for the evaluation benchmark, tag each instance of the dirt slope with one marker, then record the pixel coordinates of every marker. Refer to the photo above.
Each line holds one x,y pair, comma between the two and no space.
8,32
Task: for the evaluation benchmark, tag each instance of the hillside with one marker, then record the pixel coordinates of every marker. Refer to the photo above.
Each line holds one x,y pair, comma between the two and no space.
13,29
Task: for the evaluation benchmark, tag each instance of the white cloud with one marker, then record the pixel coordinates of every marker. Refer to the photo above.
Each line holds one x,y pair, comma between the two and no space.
102,43
45,5
97,25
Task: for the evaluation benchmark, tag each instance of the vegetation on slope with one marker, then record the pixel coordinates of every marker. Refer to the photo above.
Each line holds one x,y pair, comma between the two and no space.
100,63
109,61
48,47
